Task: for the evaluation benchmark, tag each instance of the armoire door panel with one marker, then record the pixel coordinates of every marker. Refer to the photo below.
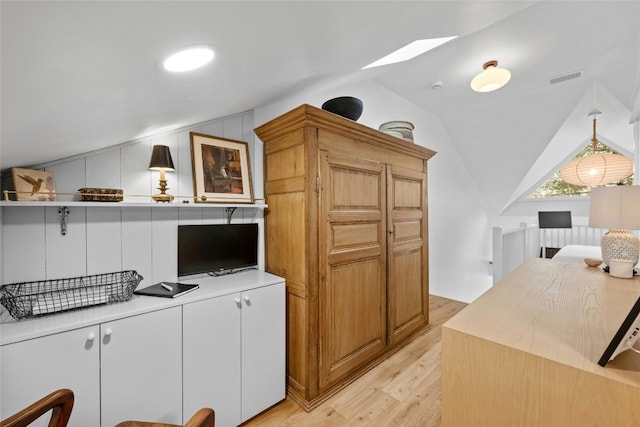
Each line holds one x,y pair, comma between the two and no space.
407,230
408,299
355,324
355,185
408,192
413,214
353,235
354,189
352,265
356,215
355,255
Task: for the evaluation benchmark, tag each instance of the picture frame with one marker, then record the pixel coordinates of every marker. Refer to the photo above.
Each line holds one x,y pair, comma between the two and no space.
221,170
33,185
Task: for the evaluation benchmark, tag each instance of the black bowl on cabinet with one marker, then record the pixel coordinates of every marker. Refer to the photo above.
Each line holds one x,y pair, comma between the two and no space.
345,106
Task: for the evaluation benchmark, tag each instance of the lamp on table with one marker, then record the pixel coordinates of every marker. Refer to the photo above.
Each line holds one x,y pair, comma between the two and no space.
618,209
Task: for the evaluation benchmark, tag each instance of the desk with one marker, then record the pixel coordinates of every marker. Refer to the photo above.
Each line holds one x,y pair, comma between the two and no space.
525,353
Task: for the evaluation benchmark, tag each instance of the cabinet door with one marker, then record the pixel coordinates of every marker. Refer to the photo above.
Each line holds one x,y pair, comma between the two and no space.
141,368
34,368
263,349
212,358
407,260
352,285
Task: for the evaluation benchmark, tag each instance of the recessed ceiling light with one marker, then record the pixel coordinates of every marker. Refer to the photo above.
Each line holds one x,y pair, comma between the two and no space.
410,51
189,58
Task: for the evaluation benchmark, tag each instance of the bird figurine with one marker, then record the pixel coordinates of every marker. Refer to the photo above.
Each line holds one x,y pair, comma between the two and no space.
35,184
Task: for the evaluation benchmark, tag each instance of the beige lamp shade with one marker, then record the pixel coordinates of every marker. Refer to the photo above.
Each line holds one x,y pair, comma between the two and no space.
597,169
617,208
491,78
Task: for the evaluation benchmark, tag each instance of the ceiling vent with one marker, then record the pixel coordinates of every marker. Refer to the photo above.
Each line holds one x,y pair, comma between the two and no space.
564,77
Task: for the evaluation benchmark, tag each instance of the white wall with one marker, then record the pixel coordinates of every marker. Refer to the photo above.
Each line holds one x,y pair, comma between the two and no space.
112,237
526,210
459,226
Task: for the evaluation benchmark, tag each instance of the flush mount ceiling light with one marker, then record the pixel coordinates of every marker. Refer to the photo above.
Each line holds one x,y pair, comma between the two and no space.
596,168
189,58
410,51
491,78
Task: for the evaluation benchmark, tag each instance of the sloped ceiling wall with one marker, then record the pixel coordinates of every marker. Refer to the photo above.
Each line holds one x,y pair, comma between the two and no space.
79,76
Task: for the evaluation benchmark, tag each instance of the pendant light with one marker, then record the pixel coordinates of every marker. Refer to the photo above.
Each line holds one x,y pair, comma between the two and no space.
491,78
596,168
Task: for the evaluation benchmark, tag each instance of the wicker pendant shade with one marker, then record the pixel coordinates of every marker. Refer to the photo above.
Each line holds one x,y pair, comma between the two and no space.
596,168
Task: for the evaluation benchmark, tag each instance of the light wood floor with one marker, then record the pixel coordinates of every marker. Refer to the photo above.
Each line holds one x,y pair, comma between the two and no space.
403,391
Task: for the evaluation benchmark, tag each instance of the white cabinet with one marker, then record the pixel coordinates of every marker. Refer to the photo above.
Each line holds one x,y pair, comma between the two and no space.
126,369
156,359
141,368
263,349
212,358
32,369
234,353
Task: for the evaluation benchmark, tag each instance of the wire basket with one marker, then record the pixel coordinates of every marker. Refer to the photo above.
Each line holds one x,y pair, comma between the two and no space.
31,299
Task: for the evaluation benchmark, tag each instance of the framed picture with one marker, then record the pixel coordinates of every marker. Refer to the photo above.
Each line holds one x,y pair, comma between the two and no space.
33,185
221,172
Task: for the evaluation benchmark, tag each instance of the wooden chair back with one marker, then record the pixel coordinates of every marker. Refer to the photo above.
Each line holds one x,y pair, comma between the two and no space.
205,417
60,403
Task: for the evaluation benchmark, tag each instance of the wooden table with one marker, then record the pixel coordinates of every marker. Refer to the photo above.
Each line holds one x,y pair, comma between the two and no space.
525,353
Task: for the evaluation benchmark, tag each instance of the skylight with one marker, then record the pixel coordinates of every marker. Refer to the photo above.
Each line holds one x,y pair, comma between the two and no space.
410,51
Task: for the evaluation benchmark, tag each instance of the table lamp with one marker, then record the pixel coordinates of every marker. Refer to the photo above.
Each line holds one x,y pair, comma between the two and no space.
618,209
161,161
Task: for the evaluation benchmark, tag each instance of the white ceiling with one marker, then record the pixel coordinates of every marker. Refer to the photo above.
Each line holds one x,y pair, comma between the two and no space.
79,76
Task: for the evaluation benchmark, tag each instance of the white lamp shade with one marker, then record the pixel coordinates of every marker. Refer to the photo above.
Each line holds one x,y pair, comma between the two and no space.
490,79
616,207
597,169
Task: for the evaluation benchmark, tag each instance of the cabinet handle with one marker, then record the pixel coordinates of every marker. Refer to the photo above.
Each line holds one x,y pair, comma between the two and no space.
237,300
246,299
108,332
91,336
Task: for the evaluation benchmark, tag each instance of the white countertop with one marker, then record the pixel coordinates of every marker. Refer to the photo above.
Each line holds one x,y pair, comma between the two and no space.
12,330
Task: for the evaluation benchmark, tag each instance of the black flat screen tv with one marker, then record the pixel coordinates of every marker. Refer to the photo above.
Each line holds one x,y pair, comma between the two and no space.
554,219
216,248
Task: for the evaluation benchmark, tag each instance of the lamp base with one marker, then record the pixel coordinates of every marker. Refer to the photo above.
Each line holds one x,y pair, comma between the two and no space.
162,198
620,244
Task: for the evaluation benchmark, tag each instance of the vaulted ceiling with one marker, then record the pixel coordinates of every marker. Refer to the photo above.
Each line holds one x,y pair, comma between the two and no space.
78,76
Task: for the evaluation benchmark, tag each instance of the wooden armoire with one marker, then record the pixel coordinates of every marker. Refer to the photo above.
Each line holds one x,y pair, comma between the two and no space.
346,225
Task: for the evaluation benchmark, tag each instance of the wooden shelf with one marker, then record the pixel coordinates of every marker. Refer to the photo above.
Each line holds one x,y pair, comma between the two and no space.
60,203
64,207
